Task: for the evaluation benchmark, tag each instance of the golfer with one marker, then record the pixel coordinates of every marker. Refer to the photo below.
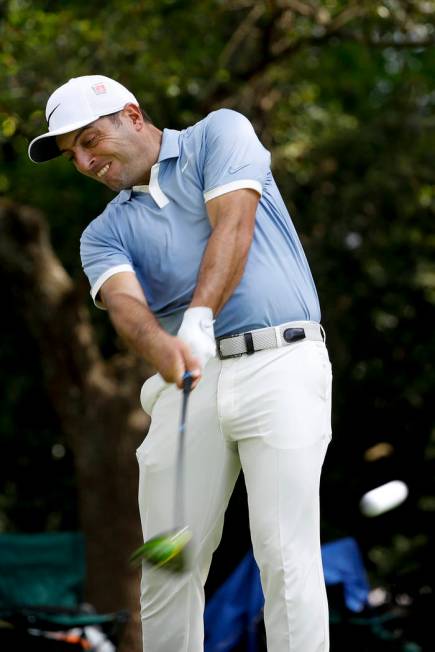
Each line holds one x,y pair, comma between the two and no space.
199,265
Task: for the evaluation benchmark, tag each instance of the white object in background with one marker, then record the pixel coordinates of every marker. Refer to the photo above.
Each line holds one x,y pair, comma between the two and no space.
383,498
98,640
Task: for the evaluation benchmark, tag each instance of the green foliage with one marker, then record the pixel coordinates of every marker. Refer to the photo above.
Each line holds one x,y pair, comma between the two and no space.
343,96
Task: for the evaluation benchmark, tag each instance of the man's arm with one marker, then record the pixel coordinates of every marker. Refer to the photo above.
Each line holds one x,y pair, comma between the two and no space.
133,320
232,217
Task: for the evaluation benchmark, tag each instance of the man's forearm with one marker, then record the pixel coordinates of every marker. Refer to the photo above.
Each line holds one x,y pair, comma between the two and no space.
223,264
169,355
135,323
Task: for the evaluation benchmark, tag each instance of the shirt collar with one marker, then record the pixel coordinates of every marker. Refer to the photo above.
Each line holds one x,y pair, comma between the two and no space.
170,147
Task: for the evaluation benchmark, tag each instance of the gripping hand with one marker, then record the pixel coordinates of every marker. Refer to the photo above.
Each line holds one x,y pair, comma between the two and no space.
197,332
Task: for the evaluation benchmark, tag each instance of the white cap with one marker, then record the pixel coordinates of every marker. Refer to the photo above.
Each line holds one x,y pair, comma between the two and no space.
77,103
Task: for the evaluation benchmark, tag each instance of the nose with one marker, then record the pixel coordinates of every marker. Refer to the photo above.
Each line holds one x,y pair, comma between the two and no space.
84,160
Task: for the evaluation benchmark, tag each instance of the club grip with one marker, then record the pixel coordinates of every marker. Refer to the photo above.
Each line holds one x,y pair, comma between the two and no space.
187,382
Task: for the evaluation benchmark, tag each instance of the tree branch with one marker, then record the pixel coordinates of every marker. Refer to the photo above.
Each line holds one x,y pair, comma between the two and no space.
324,30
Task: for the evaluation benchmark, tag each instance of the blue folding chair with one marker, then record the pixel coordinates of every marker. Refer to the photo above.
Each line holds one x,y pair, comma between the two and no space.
234,611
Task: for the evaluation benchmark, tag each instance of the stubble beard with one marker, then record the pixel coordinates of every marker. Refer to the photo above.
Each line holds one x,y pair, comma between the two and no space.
127,178
121,182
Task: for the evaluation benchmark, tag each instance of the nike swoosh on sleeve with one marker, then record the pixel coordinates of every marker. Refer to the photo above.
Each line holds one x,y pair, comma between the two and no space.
233,170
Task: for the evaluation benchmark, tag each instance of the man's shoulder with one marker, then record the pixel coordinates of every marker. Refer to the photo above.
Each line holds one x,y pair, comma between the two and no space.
221,127
220,118
227,126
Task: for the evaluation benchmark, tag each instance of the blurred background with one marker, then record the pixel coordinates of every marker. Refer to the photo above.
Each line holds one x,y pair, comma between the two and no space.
343,95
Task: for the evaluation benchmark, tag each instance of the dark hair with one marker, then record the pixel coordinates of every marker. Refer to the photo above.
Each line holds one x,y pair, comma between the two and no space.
115,119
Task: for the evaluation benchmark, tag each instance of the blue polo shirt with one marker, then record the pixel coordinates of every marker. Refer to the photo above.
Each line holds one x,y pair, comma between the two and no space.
160,231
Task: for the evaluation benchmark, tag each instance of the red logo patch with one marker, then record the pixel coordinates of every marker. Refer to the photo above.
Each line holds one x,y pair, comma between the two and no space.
99,89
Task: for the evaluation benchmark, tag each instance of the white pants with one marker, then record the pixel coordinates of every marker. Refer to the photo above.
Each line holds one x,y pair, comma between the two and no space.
269,414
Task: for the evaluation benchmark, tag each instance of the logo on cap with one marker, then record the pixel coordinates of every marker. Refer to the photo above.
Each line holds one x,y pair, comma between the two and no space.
99,89
51,113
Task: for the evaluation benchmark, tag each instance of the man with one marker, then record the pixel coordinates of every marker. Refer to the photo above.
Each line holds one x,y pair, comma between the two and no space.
198,245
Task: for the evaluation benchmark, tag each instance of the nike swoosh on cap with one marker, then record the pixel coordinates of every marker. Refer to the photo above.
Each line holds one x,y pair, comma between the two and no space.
233,170
51,113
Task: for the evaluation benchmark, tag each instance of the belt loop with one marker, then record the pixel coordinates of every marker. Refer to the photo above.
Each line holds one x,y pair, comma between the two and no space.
322,330
278,336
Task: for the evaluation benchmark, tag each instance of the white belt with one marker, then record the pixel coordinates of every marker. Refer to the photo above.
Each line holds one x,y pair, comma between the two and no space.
272,337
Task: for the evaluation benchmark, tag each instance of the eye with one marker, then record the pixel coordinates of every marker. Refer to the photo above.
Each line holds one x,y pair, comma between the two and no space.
90,141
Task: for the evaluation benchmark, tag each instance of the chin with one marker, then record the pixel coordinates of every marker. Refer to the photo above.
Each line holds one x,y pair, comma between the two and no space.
116,186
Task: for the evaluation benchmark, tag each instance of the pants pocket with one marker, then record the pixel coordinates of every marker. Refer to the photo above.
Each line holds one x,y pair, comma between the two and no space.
150,392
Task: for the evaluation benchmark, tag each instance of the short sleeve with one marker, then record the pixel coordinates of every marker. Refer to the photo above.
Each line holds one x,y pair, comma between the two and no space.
234,157
103,255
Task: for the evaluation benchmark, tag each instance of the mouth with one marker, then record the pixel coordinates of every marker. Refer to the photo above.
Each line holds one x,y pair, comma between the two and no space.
101,173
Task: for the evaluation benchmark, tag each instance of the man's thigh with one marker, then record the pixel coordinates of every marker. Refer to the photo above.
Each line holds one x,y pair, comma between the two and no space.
283,430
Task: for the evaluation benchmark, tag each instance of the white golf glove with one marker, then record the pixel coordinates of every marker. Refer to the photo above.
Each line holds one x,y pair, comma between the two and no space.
150,392
197,332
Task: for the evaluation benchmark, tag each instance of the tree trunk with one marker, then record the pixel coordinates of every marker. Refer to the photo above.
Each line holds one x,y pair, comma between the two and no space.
98,405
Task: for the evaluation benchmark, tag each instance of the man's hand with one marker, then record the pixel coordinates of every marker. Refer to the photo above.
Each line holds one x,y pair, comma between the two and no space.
133,320
171,356
197,332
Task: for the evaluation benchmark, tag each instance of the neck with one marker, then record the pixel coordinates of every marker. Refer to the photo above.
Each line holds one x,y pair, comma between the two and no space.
152,143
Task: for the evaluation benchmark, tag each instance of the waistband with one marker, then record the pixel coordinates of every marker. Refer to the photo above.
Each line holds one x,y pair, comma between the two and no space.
271,337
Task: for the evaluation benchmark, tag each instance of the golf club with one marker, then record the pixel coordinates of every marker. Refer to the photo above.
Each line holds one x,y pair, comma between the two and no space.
167,550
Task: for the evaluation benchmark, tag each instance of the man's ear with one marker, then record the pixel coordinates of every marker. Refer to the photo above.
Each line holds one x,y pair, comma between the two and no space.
133,113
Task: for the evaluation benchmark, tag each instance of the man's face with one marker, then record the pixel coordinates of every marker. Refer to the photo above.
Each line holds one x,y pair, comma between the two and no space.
107,151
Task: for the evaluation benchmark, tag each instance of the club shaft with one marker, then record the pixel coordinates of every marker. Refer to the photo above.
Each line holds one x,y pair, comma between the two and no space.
179,502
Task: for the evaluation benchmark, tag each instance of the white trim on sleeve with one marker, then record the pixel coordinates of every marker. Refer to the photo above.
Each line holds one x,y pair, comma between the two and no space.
233,185
103,278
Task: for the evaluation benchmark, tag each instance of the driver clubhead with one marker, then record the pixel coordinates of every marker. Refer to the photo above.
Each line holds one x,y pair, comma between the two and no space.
167,550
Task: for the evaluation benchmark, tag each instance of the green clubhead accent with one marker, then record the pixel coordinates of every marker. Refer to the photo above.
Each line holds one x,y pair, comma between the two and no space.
165,551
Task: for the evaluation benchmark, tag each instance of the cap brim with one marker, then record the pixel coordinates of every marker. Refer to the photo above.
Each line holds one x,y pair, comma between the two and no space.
44,148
